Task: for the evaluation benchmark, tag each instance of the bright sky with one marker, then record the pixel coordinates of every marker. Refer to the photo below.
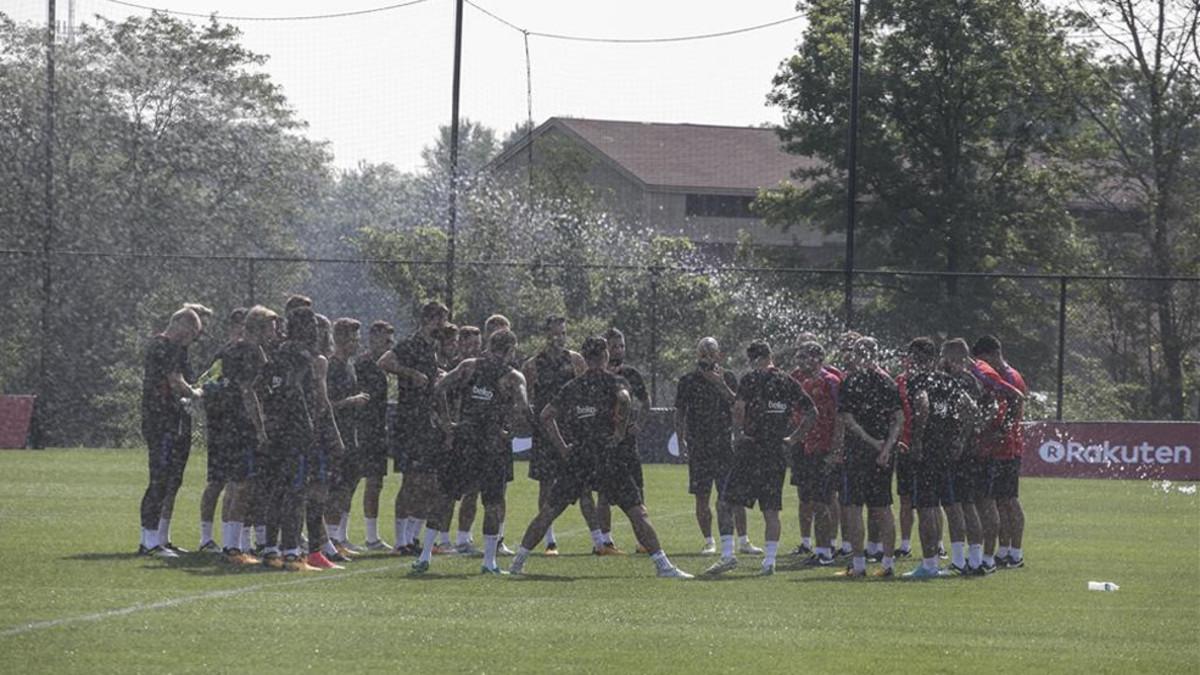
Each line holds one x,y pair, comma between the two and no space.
377,86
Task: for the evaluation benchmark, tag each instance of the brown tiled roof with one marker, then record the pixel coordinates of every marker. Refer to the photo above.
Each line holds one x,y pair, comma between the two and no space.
690,155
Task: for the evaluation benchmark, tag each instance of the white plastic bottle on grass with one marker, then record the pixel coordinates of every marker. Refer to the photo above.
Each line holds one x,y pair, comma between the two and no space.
1102,586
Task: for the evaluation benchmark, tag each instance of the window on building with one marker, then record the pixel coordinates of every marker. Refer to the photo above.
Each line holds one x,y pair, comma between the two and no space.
719,206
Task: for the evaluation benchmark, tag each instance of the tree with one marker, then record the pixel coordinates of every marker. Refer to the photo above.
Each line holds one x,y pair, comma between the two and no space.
171,141
1149,124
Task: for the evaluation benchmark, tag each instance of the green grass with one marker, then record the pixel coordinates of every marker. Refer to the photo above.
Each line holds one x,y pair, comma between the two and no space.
68,522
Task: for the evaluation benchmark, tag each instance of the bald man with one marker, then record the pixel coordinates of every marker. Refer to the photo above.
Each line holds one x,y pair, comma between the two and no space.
166,425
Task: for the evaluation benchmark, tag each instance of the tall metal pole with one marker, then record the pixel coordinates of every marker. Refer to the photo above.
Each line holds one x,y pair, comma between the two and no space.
852,163
1062,345
39,436
453,224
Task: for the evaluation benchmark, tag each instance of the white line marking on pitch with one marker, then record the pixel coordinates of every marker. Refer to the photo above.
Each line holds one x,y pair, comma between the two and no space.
175,602
212,595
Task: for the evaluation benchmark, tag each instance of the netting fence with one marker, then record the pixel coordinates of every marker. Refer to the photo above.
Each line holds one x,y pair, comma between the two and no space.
1088,346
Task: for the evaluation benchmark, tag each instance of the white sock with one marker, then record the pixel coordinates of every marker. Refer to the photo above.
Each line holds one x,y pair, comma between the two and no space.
860,563
415,525
401,532
260,535
597,539
975,554
490,543
427,549
247,538
930,564
164,530
464,537
231,535
292,551
990,560
344,527
806,542
874,547
271,549
1015,553
772,547
708,541
372,525
206,531
332,529
661,561
520,558
550,540
608,538
823,551
906,544
727,546
888,562
444,537
1001,551
149,538
958,555
328,548
846,547
743,539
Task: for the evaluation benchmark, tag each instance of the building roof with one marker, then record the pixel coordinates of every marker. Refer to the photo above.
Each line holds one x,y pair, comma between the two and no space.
698,156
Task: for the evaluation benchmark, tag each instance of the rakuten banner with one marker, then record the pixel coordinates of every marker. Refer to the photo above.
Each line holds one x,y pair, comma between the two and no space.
1112,450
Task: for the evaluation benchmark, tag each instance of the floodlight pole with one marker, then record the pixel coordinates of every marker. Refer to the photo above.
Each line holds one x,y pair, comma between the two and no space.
452,229
852,163
39,432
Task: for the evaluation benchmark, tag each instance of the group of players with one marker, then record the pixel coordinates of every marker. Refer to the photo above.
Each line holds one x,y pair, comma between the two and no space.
297,416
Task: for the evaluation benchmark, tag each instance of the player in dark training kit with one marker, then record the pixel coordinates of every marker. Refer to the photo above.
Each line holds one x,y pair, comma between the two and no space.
545,374
348,400
762,420
970,470
869,405
373,437
478,459
704,429
639,410
166,425
592,410
217,424
942,415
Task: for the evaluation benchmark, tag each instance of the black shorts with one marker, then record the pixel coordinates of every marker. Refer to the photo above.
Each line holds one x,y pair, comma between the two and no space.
866,483
231,456
1004,478
419,448
473,466
576,475
756,475
707,466
629,459
904,475
169,443
966,480
813,477
545,463
932,483
373,455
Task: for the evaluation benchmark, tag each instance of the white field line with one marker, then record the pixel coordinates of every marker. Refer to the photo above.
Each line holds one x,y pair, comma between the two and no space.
226,593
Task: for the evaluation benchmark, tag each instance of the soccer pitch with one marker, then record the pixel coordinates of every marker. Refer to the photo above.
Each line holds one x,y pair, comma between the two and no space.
74,597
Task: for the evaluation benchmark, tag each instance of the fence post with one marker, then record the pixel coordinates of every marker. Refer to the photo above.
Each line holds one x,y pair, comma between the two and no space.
654,272
251,279
1062,343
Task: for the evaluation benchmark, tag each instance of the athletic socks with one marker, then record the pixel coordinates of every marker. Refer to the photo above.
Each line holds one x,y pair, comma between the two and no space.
334,531
401,532
824,552
906,544
958,555
860,564
344,527
231,535
727,546
930,563
549,538
464,538
888,562
975,554
427,548
661,561
1002,552
293,552
772,547
149,538
247,538
708,541
260,535
490,543
743,539
328,548
806,542
443,538
372,526
1015,554
597,539
164,530
990,560
206,531
846,547
608,540
519,559
874,547
415,526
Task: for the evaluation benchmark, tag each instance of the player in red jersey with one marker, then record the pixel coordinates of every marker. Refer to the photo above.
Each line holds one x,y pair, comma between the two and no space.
812,473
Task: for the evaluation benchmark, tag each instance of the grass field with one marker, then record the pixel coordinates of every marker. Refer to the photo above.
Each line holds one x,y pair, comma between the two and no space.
73,597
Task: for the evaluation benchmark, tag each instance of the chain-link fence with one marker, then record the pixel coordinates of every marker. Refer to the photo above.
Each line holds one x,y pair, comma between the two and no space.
1090,348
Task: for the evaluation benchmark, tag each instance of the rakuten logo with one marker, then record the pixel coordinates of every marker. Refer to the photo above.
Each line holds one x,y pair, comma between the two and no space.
1053,452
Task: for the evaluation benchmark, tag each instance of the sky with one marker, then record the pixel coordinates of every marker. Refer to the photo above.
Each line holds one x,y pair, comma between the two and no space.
377,86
